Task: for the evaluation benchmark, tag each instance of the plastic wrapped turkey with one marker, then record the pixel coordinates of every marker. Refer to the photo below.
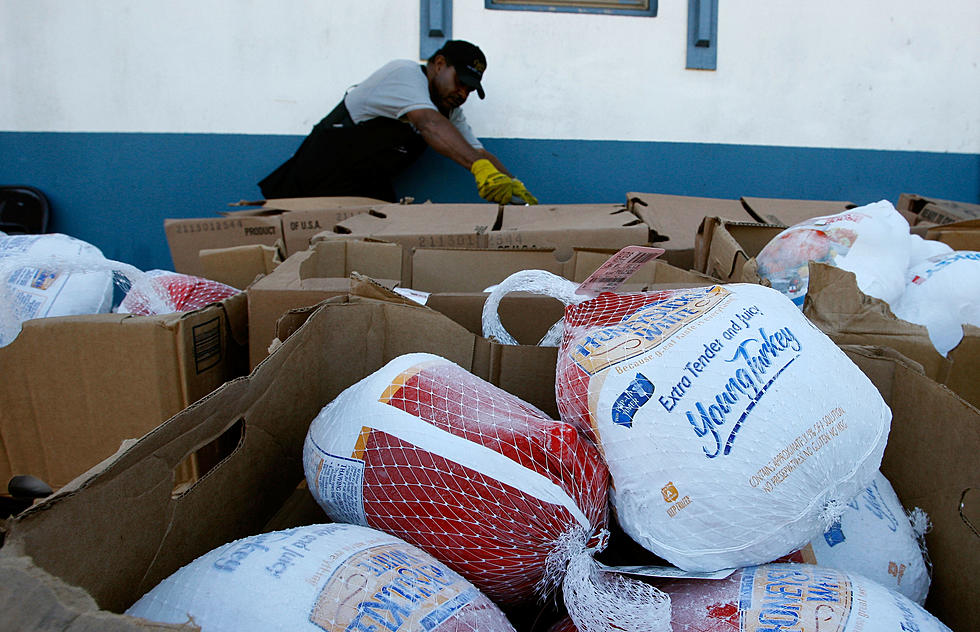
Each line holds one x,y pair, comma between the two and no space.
788,597
510,499
734,431
320,577
164,292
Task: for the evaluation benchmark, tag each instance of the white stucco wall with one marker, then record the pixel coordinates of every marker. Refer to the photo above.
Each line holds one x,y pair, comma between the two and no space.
882,74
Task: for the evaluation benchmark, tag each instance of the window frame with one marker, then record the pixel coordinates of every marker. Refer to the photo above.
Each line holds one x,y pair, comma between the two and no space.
571,6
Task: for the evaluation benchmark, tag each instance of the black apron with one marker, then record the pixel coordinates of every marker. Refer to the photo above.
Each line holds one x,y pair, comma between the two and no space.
340,157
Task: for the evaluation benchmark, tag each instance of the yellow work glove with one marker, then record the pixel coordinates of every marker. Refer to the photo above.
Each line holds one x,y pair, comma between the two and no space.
495,186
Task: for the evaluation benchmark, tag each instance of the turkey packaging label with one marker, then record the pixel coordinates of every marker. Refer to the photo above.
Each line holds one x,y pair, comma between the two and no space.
320,577
487,483
733,429
798,597
50,275
874,537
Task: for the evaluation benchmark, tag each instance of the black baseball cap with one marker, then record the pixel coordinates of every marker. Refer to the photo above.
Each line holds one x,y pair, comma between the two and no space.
468,60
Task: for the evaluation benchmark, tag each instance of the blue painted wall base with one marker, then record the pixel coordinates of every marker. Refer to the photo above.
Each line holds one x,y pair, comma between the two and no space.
115,189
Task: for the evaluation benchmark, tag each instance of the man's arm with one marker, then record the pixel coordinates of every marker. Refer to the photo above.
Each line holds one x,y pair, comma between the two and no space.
493,181
443,136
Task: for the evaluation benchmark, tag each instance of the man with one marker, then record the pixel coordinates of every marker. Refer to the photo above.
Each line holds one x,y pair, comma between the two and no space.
384,124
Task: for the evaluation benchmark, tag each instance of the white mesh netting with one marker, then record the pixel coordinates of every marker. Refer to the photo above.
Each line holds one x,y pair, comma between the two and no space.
734,430
797,597
320,577
534,282
485,482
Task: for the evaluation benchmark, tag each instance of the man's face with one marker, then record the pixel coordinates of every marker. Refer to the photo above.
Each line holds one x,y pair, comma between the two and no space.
445,88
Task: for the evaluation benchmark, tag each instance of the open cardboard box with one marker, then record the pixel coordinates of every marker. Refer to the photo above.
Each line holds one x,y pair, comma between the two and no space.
838,308
309,276
726,249
919,209
75,387
290,222
561,228
83,556
674,220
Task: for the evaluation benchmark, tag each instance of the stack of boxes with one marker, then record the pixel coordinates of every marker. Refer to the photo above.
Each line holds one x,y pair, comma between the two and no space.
222,397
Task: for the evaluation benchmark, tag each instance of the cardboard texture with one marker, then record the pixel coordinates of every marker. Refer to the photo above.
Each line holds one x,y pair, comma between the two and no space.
790,212
963,235
726,250
291,221
920,209
674,220
310,276
561,228
835,305
475,270
238,266
187,237
75,387
63,560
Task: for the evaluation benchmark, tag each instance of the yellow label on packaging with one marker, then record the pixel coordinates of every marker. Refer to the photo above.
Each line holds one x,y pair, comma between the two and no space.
794,598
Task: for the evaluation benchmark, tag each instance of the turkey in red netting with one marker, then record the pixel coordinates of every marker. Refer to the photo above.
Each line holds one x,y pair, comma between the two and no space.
163,292
482,480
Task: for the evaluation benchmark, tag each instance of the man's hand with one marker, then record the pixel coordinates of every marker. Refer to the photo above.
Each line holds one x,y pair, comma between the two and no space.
495,186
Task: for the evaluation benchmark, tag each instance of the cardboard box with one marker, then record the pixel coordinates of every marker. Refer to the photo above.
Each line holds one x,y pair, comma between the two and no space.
239,266
474,270
562,228
726,249
310,276
188,237
919,209
75,387
964,235
289,221
88,553
785,212
674,221
835,305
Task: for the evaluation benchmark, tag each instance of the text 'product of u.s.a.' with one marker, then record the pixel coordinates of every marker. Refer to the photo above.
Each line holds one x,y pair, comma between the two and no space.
330,577
789,598
512,500
734,430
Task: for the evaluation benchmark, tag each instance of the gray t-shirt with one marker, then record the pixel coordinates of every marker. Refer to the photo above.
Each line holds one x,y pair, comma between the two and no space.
395,89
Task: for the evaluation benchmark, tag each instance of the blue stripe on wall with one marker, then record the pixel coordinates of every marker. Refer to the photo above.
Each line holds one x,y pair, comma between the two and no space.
115,189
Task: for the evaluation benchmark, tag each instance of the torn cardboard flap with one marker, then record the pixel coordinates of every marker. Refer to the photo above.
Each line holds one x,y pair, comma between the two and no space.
836,305
787,212
920,209
674,220
238,266
307,277
726,250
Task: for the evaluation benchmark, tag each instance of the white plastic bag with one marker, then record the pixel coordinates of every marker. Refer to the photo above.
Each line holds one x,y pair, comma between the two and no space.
319,577
943,294
734,430
50,275
871,241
